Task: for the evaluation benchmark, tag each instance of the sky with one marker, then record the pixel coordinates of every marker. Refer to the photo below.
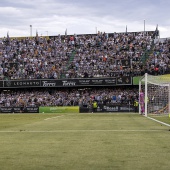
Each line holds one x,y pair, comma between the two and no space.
23,18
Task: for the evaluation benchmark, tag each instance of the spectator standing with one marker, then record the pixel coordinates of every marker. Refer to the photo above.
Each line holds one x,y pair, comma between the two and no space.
94,106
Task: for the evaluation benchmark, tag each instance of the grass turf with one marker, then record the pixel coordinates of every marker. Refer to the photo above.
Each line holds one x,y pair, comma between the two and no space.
83,142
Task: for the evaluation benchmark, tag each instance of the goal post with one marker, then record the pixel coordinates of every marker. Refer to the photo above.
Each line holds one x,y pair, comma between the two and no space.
154,94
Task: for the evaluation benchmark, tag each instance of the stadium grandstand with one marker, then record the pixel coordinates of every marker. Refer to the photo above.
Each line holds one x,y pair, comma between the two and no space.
75,70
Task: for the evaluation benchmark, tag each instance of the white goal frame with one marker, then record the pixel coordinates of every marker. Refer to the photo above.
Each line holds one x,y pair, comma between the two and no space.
163,81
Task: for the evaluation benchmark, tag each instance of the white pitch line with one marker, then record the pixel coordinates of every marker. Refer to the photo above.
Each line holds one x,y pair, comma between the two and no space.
56,131
159,121
53,117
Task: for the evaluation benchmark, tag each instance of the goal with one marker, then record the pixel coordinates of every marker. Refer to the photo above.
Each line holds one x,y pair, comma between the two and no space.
154,94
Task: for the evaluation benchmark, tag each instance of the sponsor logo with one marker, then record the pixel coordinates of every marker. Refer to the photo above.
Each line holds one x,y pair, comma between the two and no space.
84,81
32,108
111,109
119,80
125,108
127,80
69,83
26,83
48,84
97,81
8,83
22,83
110,81
124,80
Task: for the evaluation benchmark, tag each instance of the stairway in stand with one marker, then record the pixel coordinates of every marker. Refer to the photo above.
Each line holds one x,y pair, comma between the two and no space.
66,68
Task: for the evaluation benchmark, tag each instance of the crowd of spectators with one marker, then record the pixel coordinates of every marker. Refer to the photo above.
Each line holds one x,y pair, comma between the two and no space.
102,55
77,56
158,62
66,97
33,58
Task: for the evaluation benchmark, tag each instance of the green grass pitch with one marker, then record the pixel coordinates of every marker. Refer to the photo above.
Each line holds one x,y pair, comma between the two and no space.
83,142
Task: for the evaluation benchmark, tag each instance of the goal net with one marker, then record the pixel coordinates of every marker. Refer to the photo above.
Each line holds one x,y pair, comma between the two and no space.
154,94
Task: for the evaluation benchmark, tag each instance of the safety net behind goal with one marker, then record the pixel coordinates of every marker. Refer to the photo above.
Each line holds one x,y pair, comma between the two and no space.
156,91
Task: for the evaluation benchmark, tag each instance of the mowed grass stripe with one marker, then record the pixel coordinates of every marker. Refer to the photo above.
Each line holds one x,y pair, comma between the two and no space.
74,131
77,122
